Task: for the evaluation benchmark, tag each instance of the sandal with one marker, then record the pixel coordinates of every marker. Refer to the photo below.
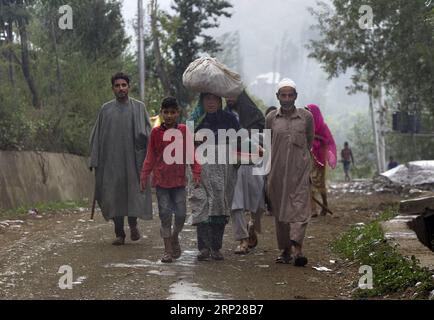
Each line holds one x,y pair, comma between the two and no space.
284,258
242,248
167,258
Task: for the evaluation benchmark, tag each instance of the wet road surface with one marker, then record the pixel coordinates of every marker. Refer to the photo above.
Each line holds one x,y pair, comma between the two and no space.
32,251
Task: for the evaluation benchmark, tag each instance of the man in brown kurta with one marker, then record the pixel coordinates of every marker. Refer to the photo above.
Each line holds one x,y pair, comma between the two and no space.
292,132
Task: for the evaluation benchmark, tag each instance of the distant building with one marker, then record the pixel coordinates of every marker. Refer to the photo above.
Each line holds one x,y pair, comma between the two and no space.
264,87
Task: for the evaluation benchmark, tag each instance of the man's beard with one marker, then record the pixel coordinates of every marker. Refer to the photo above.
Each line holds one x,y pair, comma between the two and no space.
287,105
122,95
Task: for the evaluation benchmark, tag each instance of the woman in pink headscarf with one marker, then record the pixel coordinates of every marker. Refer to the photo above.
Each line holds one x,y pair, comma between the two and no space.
323,153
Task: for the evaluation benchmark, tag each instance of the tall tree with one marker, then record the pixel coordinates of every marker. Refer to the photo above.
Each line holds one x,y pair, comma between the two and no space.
15,13
158,17
7,38
193,18
395,53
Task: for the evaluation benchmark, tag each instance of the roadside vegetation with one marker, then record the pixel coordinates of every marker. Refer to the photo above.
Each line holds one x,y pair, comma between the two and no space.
393,274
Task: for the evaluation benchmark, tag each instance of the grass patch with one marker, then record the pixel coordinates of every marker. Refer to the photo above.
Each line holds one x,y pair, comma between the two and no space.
42,208
392,273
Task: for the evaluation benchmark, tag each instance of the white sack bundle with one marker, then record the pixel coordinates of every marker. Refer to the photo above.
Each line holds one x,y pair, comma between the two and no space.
209,75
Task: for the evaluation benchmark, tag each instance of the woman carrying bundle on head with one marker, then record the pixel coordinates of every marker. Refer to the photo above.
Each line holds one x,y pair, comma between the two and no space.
211,201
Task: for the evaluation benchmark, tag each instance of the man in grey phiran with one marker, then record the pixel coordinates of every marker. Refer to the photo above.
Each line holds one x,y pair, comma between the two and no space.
118,146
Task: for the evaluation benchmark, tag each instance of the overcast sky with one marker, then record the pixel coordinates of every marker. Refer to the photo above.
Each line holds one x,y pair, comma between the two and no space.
262,25
129,11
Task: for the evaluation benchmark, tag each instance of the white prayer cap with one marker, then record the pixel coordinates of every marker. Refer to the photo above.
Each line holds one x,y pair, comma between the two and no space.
286,83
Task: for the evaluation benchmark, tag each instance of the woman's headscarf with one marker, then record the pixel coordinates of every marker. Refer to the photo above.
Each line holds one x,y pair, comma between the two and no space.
198,115
324,149
250,117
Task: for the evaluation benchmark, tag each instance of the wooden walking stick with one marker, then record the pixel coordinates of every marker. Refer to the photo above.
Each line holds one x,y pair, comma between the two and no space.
93,208
317,201
322,205
92,214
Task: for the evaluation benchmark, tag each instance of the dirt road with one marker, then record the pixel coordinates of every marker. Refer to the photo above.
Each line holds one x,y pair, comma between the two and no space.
33,250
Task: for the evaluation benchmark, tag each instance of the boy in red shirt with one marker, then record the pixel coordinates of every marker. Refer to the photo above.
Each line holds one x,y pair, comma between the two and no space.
170,179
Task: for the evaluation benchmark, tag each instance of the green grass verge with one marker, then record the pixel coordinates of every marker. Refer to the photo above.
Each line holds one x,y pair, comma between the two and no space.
392,273
42,208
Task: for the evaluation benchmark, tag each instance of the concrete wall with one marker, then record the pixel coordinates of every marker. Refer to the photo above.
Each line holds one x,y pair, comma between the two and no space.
28,178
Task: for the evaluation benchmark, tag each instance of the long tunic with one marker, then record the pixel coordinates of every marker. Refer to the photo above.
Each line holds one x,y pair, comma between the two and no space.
213,198
249,192
118,147
288,182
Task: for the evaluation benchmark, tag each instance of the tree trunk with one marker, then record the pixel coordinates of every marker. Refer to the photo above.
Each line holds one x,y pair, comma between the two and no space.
374,127
381,129
159,64
9,44
58,87
25,63
56,53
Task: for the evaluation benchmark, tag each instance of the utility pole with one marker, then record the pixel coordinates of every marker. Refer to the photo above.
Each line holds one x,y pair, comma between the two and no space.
141,48
382,112
374,128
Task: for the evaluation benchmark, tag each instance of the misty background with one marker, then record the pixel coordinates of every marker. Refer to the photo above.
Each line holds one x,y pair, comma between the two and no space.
273,35
55,78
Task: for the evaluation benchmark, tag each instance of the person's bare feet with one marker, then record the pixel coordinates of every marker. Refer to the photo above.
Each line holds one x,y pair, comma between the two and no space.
243,247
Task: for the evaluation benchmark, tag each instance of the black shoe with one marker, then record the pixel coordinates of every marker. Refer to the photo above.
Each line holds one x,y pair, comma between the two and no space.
217,255
119,241
135,234
203,255
300,261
